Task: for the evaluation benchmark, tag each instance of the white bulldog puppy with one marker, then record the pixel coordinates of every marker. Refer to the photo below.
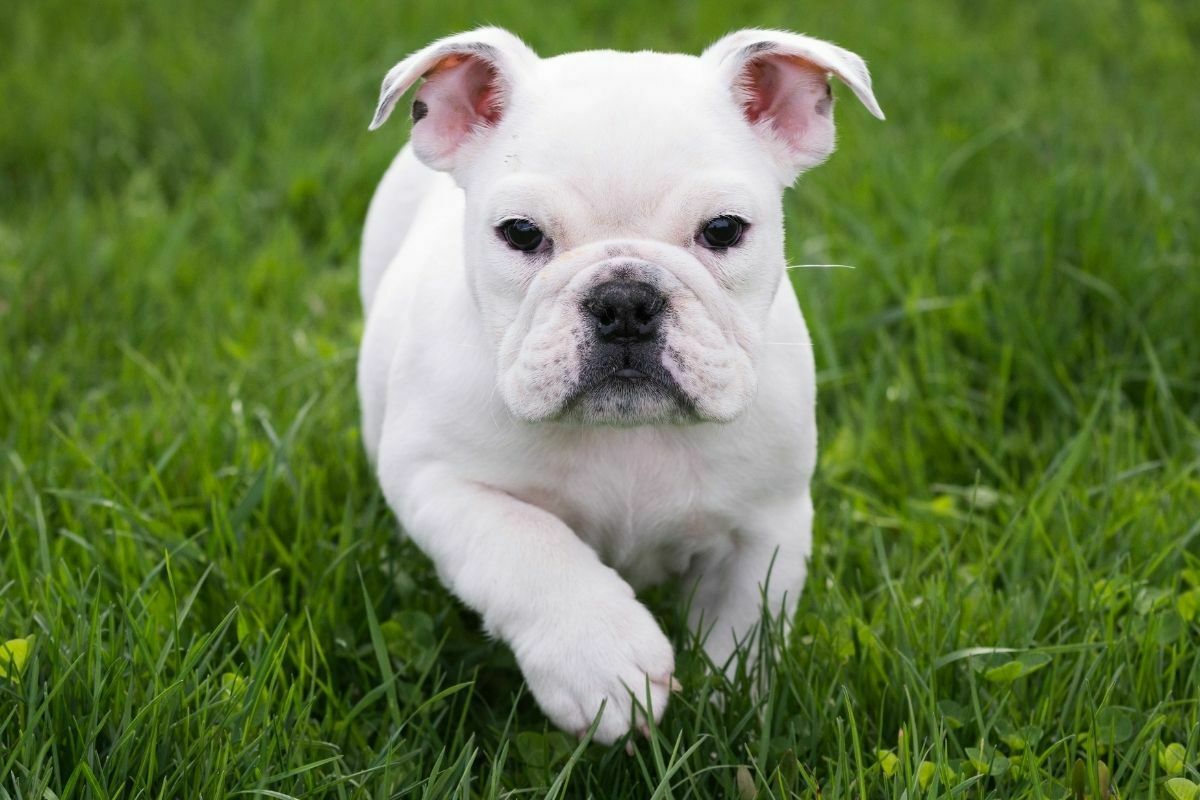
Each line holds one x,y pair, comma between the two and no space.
584,370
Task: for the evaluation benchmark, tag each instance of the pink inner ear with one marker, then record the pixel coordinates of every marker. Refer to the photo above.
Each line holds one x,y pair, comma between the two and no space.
759,86
461,94
791,96
487,100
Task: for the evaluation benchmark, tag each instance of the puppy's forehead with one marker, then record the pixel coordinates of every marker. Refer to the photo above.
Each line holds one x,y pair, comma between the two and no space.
646,119
594,79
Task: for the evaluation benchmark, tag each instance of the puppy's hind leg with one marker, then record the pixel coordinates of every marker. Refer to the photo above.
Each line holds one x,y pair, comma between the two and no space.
769,560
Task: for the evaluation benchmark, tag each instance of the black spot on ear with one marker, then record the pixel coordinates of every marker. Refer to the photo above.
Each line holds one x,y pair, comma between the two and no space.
419,110
758,48
825,104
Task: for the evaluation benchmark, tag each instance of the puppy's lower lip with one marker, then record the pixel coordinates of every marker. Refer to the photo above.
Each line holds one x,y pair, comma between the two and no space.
629,372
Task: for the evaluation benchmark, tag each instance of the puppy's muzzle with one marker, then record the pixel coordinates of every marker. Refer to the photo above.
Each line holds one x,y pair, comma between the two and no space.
625,311
623,379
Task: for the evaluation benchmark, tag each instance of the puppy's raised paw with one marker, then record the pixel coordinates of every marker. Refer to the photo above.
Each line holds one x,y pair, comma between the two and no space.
616,664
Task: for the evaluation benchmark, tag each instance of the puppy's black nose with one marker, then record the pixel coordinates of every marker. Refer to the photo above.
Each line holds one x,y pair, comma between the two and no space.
625,311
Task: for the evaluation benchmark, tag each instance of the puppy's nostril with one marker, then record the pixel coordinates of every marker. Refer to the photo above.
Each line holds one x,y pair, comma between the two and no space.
646,312
603,313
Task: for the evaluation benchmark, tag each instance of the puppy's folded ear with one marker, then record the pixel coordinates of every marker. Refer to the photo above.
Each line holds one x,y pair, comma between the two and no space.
780,82
469,79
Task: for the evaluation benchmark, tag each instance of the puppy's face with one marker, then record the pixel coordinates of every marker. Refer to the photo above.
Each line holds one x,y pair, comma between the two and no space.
623,225
624,244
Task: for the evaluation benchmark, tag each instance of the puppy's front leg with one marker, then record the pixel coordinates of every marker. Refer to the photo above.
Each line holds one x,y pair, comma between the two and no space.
770,552
580,636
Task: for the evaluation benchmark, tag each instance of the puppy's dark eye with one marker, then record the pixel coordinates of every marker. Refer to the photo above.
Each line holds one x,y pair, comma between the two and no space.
521,234
722,232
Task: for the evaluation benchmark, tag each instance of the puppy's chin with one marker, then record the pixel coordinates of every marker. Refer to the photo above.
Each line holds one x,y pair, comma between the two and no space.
628,401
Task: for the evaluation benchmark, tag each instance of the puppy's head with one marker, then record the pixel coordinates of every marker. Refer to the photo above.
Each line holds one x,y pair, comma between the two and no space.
624,226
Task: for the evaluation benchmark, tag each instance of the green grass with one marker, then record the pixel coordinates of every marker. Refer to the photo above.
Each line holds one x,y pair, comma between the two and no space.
1009,396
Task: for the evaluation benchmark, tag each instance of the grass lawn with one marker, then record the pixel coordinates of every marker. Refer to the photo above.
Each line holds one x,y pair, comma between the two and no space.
204,589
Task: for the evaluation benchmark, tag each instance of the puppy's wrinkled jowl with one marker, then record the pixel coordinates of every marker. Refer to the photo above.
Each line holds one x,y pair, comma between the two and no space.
584,370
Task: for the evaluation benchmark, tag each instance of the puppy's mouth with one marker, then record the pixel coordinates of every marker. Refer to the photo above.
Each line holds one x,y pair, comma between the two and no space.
627,385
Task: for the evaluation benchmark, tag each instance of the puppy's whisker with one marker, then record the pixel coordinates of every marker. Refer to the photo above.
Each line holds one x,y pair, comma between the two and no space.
819,266
791,344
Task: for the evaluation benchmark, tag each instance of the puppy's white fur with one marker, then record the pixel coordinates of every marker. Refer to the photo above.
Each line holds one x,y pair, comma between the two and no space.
542,501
